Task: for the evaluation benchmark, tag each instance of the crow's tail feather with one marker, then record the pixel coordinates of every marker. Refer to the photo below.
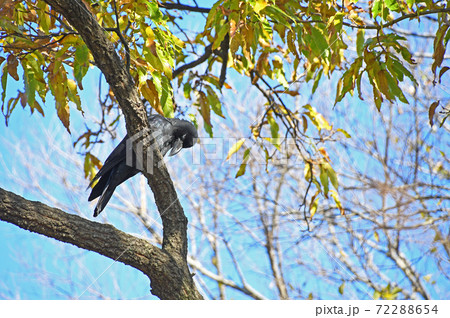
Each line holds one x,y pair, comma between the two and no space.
104,199
100,187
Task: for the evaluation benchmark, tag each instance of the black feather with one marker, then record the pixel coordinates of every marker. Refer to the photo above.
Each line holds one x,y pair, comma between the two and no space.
168,133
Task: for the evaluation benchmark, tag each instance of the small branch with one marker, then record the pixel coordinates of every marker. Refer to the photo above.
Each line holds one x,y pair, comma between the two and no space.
122,39
179,6
200,60
381,26
225,45
395,21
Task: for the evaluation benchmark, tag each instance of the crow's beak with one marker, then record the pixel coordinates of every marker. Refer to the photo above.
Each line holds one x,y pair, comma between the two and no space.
178,145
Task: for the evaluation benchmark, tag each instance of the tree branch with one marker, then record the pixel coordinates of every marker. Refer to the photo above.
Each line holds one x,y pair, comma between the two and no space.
200,60
103,239
179,6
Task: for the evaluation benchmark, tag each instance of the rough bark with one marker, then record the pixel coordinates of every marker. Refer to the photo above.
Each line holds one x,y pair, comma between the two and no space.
167,280
174,221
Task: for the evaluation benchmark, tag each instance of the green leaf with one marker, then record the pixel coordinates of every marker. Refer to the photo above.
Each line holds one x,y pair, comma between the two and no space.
274,128
214,101
208,129
82,54
220,36
241,170
81,63
274,131
400,70
166,97
278,15
4,83
341,288
376,8
154,12
320,43
332,176
392,5
317,80
243,165
187,90
194,120
324,180
30,86
360,41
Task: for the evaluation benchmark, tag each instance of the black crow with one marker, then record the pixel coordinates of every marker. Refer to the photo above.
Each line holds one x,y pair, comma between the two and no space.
167,133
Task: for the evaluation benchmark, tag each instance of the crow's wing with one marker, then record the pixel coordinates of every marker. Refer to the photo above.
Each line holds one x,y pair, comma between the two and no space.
160,126
162,132
115,171
115,157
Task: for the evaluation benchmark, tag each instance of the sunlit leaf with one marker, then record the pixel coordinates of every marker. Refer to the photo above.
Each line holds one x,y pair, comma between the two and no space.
243,165
336,199
259,5
341,288
235,148
313,205
346,134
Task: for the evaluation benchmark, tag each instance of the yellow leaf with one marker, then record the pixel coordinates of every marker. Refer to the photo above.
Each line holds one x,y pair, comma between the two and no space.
259,5
235,148
316,118
341,288
313,206
308,171
346,134
63,111
376,236
151,94
335,196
